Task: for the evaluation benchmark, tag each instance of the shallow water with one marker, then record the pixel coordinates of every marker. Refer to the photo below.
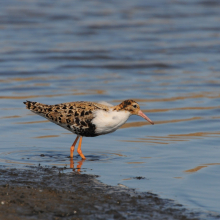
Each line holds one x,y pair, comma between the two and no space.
163,54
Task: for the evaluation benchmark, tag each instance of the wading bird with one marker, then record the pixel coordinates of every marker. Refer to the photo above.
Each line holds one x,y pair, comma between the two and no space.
87,119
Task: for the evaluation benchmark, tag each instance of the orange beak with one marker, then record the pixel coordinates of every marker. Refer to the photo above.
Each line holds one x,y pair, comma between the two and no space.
140,113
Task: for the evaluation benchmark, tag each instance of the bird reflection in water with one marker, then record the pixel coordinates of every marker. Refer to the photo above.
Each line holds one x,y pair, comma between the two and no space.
78,167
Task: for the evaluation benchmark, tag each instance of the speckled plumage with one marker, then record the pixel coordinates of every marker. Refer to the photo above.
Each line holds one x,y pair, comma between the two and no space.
74,116
87,119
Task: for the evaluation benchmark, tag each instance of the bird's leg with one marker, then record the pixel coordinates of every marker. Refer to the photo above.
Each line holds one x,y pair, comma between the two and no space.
79,149
73,146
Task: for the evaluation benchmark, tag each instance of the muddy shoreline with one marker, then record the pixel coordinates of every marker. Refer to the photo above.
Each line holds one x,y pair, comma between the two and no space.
51,193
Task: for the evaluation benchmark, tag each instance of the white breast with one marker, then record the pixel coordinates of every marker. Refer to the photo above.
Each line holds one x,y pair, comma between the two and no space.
107,122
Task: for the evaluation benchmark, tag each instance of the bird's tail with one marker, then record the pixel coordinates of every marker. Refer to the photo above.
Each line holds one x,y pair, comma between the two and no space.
36,106
31,105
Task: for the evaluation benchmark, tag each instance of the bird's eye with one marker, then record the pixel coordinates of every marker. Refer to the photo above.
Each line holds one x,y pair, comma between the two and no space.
135,106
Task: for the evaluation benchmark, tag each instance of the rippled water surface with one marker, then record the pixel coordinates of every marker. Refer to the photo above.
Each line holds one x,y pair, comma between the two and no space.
163,54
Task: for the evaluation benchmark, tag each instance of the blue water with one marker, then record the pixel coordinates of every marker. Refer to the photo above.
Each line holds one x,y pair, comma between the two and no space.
163,54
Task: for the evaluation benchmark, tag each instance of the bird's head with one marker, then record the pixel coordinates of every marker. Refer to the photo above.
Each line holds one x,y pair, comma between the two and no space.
134,109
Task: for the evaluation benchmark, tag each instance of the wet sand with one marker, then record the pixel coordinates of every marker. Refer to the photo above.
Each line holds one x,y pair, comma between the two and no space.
52,193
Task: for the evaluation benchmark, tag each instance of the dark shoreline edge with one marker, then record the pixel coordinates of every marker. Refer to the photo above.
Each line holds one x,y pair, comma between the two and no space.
49,193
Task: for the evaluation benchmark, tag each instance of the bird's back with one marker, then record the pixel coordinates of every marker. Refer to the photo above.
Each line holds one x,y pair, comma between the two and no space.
74,116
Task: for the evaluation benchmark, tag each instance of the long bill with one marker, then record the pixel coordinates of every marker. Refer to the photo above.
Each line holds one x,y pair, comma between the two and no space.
140,113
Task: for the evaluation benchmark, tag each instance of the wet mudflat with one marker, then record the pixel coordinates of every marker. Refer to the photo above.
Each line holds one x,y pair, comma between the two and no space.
50,193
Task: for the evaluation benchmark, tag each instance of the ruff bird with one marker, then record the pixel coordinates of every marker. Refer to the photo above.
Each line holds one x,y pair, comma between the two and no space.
87,119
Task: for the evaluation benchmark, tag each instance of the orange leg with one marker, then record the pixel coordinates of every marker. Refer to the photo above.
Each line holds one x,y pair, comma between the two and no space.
79,148
73,146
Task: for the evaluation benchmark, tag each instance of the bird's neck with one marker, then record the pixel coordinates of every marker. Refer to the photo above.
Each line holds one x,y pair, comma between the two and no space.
119,107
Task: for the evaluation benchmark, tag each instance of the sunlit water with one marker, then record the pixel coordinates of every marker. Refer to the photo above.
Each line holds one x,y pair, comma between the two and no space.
163,54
